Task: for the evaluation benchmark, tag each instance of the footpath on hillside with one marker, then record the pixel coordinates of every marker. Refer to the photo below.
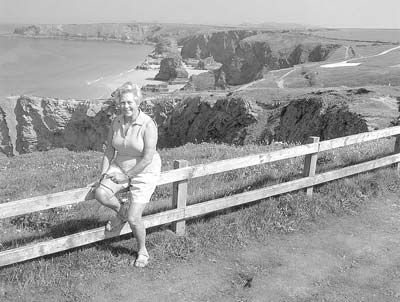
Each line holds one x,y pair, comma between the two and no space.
349,258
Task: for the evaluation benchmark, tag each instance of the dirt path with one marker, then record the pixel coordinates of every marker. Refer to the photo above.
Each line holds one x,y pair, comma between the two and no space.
281,80
352,258
346,63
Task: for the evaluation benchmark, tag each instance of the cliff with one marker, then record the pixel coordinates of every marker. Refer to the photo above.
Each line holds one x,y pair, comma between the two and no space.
6,146
316,115
245,54
133,33
45,123
220,45
199,118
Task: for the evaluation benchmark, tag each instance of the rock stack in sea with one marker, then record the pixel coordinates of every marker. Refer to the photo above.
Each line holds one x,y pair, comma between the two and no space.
171,68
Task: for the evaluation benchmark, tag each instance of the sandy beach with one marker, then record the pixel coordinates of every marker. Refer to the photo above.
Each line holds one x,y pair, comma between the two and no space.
142,78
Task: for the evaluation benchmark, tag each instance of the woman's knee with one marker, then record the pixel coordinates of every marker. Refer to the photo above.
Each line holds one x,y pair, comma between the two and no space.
135,213
135,220
102,195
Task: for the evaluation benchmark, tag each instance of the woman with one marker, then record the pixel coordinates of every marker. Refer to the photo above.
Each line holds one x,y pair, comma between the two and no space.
130,160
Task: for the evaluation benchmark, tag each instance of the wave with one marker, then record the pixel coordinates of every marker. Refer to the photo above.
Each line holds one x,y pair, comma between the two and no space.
94,81
116,75
127,71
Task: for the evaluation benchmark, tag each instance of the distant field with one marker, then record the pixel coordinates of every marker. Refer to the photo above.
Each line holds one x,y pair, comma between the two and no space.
348,76
387,60
375,69
361,49
384,35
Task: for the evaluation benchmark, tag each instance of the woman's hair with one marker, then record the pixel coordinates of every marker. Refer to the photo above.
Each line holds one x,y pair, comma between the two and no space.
131,88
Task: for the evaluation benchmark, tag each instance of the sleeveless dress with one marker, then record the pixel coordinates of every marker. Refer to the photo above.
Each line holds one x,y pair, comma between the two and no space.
129,150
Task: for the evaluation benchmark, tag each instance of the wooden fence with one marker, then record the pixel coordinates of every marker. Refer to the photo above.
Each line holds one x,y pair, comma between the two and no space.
180,176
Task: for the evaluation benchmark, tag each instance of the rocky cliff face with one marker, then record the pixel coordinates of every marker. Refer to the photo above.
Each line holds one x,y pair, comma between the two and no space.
44,123
318,115
198,119
244,54
220,45
6,146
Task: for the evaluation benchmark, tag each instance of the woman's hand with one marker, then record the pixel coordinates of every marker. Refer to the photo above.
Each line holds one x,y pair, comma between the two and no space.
118,177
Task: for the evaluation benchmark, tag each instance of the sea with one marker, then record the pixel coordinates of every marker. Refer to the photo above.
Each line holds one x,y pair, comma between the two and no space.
67,68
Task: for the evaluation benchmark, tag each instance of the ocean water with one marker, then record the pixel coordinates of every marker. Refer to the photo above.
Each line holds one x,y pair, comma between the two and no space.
65,68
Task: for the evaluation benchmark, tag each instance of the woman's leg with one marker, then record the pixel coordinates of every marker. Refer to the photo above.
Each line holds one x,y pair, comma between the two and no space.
135,212
105,194
106,190
107,198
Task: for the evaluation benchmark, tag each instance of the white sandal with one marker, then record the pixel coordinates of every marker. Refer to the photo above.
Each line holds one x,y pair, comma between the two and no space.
142,260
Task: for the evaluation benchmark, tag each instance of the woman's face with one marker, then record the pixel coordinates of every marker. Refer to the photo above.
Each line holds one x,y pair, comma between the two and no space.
129,104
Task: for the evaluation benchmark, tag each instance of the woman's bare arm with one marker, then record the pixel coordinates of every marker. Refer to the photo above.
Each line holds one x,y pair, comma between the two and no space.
109,152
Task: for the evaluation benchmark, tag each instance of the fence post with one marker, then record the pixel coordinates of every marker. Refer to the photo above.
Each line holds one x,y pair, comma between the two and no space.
397,150
310,163
179,198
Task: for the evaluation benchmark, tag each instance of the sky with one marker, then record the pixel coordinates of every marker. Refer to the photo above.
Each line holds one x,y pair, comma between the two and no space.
327,13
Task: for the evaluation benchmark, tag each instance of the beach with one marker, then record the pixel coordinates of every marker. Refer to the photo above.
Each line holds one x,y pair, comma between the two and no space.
143,77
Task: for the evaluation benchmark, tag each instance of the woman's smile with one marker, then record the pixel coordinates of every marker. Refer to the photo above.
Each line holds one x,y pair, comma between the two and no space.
128,105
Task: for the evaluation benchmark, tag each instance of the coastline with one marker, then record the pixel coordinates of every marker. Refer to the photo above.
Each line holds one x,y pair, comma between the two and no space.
77,38
103,85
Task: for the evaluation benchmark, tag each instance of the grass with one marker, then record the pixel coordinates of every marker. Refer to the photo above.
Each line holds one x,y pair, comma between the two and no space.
59,170
365,74
377,70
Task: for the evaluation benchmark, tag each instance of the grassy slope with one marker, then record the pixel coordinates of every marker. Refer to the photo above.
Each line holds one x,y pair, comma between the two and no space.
40,173
373,71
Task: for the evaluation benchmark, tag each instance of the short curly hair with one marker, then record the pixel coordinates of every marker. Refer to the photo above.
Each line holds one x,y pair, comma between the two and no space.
130,88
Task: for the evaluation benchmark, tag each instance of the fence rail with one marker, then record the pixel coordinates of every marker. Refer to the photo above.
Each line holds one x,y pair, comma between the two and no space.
180,176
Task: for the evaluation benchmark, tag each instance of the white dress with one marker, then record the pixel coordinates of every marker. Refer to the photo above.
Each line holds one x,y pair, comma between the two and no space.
129,150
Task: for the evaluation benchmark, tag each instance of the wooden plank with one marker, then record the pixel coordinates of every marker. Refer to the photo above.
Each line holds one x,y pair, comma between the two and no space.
243,198
79,239
44,202
310,164
358,138
179,198
235,163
